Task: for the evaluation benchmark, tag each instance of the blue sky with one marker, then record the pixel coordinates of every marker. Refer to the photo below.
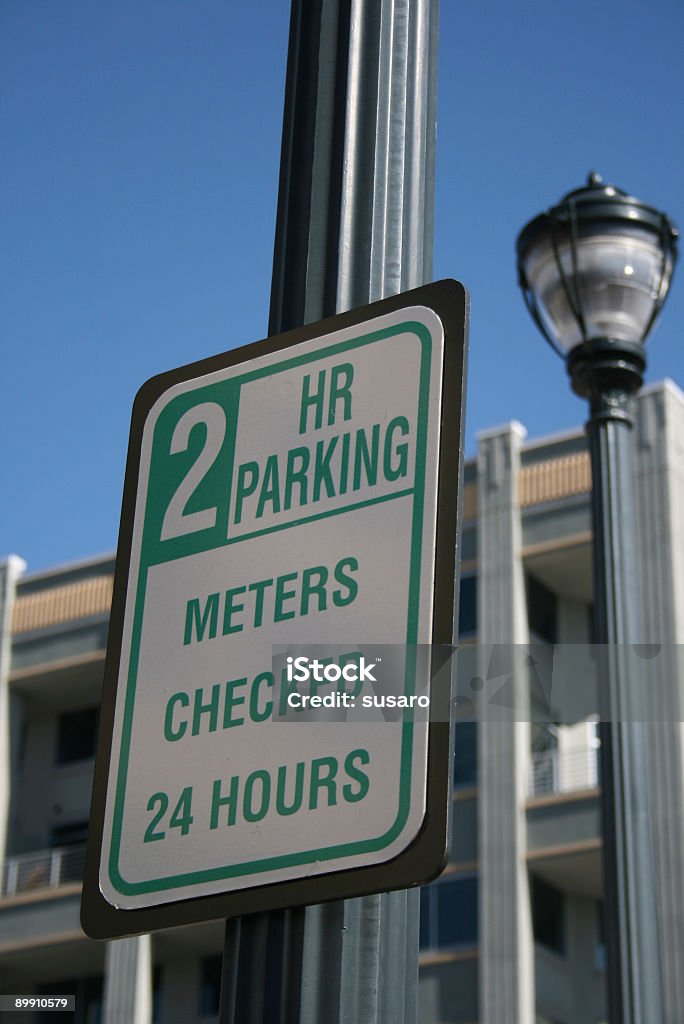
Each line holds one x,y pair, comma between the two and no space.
138,173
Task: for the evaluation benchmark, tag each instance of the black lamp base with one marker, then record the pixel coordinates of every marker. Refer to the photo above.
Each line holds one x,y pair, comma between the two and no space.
607,372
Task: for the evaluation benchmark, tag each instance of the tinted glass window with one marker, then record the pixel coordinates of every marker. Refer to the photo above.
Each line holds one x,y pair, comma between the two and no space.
465,754
457,912
77,735
548,915
600,950
467,606
210,990
542,610
70,835
156,993
88,993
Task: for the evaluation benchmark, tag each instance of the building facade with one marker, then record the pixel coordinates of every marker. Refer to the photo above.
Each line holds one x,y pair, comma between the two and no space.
512,931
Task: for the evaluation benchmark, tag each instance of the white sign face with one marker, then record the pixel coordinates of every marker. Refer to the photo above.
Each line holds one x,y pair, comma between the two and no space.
290,499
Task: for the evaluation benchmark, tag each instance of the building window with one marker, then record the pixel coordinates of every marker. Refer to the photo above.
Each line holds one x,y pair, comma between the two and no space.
542,610
457,912
548,915
210,986
156,993
600,938
465,754
74,834
21,747
448,913
467,606
77,735
88,993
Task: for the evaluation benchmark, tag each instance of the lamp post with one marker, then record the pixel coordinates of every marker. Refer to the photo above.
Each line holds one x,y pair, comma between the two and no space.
594,272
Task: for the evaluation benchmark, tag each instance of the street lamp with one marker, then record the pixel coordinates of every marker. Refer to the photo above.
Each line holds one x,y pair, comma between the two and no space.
594,272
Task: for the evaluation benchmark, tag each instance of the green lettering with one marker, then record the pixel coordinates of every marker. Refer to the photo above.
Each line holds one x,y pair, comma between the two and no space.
322,472
247,809
218,801
285,689
270,489
340,597
267,679
259,587
245,487
400,469
369,457
296,476
232,701
282,595
340,391
344,463
231,609
315,399
181,817
309,588
326,781
169,733
282,807
157,798
351,794
200,620
203,709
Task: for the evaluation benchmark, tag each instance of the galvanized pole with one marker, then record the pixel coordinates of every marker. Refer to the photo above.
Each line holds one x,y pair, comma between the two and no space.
633,966
356,201
355,223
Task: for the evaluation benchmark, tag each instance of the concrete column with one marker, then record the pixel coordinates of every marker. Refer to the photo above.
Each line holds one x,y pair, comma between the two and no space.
506,941
10,571
659,472
128,981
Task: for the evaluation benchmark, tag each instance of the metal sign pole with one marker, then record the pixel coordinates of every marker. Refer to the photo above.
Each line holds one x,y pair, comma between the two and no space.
354,224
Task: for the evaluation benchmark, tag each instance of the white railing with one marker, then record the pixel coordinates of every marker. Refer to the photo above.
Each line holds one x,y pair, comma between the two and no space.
45,869
567,771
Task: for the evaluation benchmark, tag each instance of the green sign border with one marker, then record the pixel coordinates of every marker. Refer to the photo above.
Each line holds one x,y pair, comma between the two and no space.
322,853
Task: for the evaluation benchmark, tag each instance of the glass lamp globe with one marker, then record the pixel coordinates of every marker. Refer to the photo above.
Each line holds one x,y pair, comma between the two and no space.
597,265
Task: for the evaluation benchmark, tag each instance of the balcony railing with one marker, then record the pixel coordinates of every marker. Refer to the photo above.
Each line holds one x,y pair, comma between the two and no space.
46,869
567,771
